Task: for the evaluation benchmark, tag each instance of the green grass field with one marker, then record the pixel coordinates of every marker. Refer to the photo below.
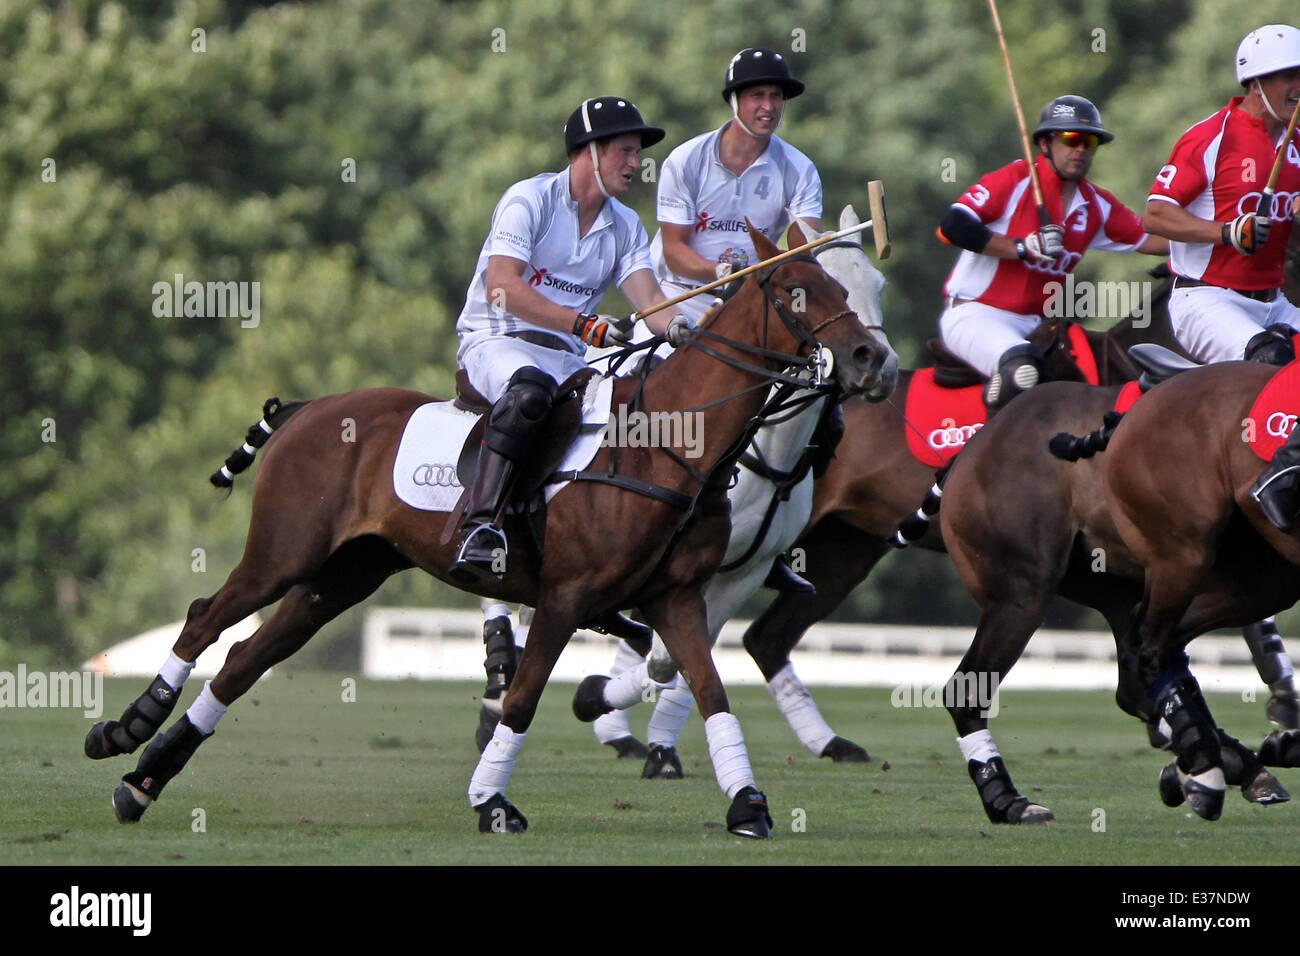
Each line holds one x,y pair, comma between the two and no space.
295,775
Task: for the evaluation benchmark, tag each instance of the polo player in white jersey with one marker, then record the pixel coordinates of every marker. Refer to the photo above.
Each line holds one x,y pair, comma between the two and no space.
556,242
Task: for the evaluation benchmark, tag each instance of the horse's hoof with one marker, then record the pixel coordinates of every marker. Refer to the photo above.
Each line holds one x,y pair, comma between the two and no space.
748,815
845,751
129,804
1281,748
499,815
1032,814
1204,793
1283,711
662,764
629,746
589,699
487,725
98,744
1171,786
1265,789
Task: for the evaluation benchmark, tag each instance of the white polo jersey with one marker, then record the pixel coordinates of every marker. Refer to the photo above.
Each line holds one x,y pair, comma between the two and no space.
536,222
695,189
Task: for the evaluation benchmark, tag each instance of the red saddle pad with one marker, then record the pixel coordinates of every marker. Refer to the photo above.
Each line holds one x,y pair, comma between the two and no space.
1129,394
1275,412
940,420
1081,352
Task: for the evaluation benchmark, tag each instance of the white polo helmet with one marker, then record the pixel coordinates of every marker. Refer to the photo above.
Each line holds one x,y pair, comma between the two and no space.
1267,50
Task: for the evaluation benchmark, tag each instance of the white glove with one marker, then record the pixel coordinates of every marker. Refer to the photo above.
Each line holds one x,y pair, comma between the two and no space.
1047,243
678,331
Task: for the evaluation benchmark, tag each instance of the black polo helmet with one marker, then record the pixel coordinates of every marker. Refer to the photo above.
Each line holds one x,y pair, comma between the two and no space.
754,66
1072,114
605,117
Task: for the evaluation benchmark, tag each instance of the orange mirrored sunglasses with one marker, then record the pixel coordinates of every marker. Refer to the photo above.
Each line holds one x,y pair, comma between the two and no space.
1073,140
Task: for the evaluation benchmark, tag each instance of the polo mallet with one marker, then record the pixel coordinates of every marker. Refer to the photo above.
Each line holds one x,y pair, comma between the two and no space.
879,221
789,253
1266,200
1043,219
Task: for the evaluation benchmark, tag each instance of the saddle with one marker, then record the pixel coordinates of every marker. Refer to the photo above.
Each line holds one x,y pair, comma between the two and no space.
949,370
553,439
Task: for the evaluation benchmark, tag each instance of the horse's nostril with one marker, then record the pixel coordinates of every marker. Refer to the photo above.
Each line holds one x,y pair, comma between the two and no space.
866,356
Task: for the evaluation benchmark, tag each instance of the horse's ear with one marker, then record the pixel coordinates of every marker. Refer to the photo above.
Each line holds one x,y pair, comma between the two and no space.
849,219
762,245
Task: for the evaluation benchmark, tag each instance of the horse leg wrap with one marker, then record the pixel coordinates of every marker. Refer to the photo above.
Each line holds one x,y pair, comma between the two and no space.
1193,735
501,656
1002,802
165,758
1242,768
141,720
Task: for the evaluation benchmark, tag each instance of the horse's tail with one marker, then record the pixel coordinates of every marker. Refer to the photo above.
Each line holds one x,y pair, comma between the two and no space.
274,415
914,526
1072,448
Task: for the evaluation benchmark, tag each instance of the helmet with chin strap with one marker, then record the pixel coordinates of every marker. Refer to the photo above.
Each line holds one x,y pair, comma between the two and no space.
755,66
1270,49
604,118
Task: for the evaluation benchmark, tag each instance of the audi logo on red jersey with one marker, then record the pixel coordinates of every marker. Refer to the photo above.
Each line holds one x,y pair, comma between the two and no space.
1280,424
1058,267
1278,211
953,436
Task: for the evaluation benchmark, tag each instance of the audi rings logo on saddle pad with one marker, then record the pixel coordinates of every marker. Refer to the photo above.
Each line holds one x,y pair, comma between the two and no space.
433,475
941,420
1275,412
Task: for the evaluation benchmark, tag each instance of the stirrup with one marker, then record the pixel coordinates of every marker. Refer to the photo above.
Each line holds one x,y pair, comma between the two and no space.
482,560
1279,515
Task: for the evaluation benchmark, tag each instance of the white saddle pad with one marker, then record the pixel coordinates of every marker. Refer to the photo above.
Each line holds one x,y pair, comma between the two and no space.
424,473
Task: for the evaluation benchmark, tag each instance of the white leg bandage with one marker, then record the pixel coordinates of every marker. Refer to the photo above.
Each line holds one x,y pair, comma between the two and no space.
670,715
800,710
206,710
728,753
495,766
978,746
175,671
610,727
493,609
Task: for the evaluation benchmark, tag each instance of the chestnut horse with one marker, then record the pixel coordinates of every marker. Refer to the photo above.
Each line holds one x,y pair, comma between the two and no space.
327,530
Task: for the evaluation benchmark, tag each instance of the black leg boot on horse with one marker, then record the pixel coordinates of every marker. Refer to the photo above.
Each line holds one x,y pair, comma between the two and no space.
507,439
1281,748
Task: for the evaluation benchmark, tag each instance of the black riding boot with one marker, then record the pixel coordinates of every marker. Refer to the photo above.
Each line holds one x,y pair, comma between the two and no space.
1278,489
482,554
782,577
507,439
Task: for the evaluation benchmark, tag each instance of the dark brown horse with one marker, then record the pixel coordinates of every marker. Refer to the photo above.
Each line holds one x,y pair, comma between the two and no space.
1015,554
327,530
875,482
1176,475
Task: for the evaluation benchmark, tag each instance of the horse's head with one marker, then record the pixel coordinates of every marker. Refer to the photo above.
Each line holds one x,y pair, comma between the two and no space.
814,310
847,263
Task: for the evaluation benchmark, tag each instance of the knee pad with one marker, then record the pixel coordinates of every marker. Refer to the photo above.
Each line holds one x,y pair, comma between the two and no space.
1019,369
1272,346
518,412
